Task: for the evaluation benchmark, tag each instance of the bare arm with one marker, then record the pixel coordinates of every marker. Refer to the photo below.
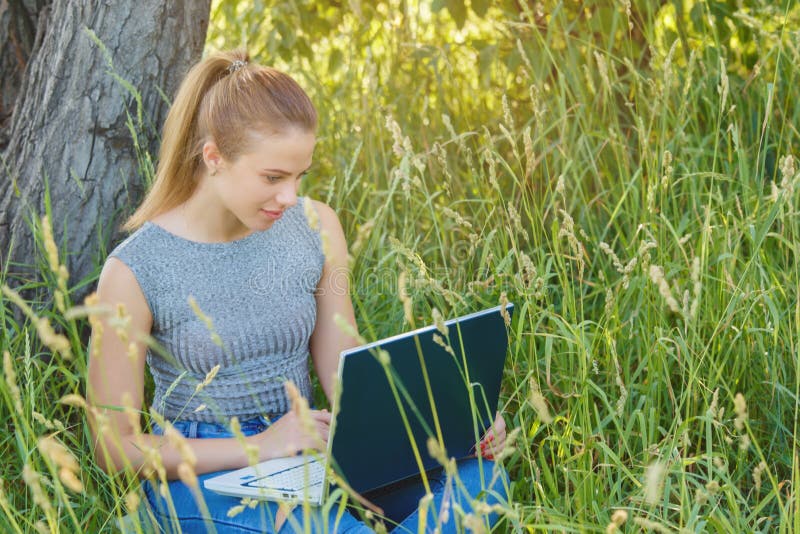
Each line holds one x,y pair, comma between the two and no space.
333,298
116,375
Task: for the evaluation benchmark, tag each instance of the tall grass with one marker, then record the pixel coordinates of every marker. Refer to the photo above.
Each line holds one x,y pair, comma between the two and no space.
641,213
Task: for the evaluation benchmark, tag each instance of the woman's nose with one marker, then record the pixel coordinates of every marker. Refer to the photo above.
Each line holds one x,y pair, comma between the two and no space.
287,196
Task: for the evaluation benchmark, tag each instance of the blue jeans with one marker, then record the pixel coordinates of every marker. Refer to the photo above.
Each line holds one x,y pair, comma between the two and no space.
480,479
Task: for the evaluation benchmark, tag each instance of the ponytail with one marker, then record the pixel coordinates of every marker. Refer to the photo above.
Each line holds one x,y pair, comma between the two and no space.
222,98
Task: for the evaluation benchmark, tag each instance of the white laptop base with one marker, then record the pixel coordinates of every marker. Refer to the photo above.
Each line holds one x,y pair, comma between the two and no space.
293,479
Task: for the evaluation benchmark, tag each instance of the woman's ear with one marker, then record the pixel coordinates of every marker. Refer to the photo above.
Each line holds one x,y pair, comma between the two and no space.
211,157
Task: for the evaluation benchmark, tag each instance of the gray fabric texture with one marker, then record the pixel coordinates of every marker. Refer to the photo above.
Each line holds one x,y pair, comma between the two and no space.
258,292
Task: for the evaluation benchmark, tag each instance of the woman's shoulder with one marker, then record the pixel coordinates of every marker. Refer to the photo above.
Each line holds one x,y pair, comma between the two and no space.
323,210
318,214
145,255
118,284
134,243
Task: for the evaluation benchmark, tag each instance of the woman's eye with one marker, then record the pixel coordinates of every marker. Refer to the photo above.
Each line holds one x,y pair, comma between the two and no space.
273,179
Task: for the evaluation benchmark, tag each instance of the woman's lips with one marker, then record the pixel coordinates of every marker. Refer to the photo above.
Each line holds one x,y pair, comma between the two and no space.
274,215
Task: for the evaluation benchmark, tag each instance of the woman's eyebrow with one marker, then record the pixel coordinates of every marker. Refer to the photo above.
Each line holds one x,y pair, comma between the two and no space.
280,171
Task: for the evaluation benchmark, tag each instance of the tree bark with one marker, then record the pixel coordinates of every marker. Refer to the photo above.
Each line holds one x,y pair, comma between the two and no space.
71,131
18,35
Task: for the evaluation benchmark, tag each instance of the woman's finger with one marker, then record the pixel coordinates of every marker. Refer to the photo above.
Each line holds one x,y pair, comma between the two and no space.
321,415
324,431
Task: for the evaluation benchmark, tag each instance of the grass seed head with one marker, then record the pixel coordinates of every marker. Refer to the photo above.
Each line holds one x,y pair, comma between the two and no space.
132,414
508,118
740,407
50,247
475,523
503,311
654,482
757,474
619,517
713,407
538,402
402,293
657,276
510,445
73,399
132,501
492,163
56,342
207,380
648,524
70,480
121,322
788,175
57,453
602,68
442,343
516,221
33,479
529,155
311,215
438,320
187,475
233,511
10,378
700,496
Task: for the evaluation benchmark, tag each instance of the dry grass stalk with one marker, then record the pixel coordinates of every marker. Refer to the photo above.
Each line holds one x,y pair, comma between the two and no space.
61,457
10,378
740,421
208,378
654,482
54,341
402,294
33,479
657,276
311,215
538,402
618,518
206,320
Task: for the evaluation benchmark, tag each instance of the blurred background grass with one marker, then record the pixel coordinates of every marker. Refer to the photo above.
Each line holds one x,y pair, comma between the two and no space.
622,171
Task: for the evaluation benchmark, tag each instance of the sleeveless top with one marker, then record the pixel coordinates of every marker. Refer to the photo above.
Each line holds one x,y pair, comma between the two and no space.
258,292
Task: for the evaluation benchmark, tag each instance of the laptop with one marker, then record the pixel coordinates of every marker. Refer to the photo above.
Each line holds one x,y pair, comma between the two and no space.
429,386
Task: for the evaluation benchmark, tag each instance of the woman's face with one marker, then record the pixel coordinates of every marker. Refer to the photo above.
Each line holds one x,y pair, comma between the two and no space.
263,181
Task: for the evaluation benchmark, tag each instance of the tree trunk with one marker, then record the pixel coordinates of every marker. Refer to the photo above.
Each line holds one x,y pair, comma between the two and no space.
71,131
18,33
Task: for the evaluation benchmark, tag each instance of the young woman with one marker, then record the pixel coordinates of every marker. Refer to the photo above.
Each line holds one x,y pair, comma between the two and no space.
223,235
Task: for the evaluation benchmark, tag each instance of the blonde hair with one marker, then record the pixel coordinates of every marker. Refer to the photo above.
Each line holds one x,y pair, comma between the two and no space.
223,98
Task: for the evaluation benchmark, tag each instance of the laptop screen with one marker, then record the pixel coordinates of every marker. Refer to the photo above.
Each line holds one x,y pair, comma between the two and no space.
387,413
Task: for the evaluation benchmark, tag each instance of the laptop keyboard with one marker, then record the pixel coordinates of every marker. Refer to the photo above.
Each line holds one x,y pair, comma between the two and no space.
293,478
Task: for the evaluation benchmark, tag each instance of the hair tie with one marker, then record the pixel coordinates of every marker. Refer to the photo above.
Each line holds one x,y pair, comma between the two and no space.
236,65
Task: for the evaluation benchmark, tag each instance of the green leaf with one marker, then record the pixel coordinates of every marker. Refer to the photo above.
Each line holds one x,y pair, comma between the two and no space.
335,60
696,16
480,7
458,11
287,34
486,57
304,48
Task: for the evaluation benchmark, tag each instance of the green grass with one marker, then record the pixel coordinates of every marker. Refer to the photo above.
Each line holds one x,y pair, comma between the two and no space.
476,200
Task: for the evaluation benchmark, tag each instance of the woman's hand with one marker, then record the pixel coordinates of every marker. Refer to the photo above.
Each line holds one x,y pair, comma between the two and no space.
494,440
290,434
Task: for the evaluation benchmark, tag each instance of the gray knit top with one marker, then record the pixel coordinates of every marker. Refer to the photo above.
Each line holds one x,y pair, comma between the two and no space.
258,292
